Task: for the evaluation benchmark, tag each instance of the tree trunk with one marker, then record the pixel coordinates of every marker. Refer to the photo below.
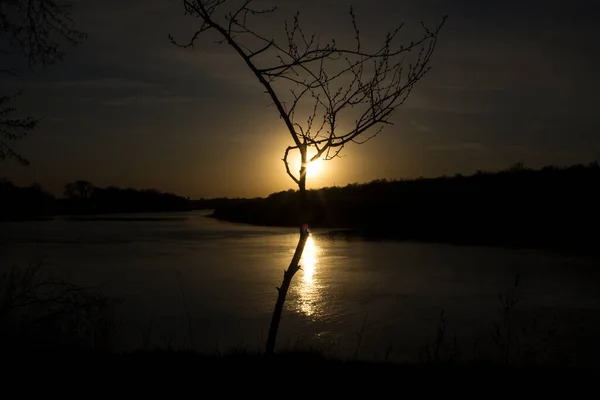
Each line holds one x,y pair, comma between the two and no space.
295,263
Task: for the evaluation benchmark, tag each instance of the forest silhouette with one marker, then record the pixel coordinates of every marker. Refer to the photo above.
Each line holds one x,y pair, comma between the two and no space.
551,207
83,198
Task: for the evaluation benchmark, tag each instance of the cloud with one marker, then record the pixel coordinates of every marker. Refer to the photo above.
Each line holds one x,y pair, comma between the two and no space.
103,83
142,100
420,127
147,100
452,147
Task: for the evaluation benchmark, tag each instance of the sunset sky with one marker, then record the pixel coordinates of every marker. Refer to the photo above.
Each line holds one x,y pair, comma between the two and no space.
512,81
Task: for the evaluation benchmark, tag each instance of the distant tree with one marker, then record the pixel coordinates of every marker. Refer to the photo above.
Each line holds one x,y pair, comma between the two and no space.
78,190
517,167
329,84
35,30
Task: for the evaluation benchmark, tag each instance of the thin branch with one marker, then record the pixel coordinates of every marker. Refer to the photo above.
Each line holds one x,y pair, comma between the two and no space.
329,82
287,165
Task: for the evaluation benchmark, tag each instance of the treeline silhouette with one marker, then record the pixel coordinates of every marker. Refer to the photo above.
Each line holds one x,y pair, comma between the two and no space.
24,202
212,204
553,207
82,197
549,207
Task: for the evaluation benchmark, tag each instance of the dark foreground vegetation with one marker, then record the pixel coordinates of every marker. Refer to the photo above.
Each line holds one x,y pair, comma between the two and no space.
44,319
311,371
550,207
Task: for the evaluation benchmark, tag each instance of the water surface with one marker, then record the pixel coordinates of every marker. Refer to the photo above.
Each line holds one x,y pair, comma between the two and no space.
362,297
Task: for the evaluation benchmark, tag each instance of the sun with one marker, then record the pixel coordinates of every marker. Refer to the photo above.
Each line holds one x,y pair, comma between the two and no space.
314,168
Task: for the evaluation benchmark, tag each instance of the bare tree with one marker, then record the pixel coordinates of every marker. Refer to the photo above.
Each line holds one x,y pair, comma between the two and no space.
328,94
78,190
37,309
35,30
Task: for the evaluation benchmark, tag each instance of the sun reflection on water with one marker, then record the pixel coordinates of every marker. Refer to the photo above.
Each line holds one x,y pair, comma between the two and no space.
309,260
309,288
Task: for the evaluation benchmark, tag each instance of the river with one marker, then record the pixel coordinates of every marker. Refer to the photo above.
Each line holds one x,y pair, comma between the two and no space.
372,299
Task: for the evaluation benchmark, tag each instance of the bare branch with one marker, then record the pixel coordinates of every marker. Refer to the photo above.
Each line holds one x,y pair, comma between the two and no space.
37,27
330,84
13,129
287,165
35,30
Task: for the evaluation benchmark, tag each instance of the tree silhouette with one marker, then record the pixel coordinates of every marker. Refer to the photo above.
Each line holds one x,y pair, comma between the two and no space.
338,94
78,190
35,30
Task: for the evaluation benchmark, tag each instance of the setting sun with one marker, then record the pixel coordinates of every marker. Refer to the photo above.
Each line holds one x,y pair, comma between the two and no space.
314,168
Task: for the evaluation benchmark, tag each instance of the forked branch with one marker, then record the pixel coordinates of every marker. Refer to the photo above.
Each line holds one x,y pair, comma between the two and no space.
319,86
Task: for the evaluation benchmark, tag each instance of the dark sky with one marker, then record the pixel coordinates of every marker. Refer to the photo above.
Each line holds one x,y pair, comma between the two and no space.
512,81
